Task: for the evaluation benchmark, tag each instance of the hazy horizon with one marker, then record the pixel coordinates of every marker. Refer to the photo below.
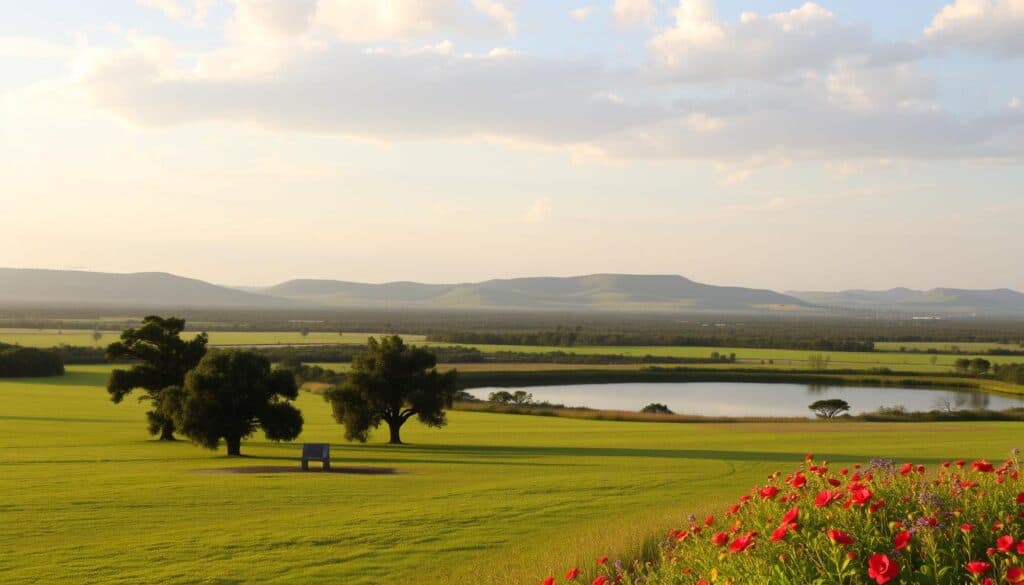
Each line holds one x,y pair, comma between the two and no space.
488,278
786,145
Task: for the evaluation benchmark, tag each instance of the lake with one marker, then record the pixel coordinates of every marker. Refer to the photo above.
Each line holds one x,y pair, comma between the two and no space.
755,399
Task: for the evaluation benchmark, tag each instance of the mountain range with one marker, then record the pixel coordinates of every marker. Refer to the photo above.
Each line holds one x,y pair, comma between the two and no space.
596,292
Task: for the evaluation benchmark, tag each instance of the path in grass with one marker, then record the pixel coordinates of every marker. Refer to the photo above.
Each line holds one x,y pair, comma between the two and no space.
490,499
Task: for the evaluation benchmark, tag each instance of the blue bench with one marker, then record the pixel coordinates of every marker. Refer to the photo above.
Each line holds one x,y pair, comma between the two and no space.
316,452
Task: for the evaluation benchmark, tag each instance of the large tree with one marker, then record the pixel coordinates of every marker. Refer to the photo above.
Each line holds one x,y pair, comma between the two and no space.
160,359
229,395
391,382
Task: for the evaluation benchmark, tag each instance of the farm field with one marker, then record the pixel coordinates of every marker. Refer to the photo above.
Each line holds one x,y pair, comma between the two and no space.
54,337
490,499
945,346
781,357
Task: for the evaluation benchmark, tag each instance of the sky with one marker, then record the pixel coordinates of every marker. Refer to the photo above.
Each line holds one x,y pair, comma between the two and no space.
787,145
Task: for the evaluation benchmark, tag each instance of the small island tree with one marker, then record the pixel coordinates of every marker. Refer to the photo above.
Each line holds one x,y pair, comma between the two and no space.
229,395
829,408
391,382
161,358
656,408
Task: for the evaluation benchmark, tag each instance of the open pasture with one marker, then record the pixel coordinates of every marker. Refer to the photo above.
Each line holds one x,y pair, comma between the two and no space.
490,499
749,356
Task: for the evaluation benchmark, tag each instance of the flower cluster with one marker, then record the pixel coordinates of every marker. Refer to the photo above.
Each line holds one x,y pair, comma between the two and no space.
884,523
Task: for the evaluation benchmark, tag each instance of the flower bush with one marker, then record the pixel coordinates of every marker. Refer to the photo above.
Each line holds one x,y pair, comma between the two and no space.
877,524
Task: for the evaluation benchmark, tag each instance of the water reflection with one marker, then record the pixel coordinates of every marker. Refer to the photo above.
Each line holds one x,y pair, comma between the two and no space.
758,399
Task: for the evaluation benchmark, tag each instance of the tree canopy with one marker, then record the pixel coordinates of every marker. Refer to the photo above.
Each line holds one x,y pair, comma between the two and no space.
229,395
160,360
829,408
391,382
23,362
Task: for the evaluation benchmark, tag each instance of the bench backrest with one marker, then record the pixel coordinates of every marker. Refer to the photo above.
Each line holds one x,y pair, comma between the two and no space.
316,450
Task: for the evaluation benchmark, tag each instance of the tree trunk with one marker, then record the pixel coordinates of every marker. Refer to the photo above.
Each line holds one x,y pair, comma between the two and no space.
396,437
234,445
167,431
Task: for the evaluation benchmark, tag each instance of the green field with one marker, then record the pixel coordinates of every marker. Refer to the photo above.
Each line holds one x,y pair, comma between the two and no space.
781,357
946,346
54,337
493,498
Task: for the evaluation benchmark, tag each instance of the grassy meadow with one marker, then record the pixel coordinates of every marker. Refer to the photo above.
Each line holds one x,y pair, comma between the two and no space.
492,498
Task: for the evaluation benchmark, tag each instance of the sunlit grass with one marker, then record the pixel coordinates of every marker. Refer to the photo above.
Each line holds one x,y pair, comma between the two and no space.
492,498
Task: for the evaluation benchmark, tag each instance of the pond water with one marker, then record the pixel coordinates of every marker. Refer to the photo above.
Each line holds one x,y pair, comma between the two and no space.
755,399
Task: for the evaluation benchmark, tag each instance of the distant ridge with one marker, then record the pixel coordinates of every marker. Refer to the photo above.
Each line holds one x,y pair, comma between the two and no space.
594,292
140,289
936,300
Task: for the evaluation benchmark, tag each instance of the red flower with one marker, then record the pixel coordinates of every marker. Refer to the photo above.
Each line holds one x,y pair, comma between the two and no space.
1015,576
907,468
709,521
600,580
780,533
1020,498
720,538
791,516
860,494
572,574
742,543
1020,547
982,466
901,540
825,498
1005,543
769,492
978,567
548,581
800,481
882,569
839,537
966,528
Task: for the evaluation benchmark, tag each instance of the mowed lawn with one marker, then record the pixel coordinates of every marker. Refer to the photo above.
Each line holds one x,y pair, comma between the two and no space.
87,497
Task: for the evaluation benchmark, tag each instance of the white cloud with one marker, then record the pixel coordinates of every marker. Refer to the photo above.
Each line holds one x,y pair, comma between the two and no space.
633,12
257,21
995,25
510,98
179,9
699,47
497,11
582,13
857,85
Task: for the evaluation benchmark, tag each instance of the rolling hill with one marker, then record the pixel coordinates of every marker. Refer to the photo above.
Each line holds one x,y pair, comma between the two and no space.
937,300
593,292
141,289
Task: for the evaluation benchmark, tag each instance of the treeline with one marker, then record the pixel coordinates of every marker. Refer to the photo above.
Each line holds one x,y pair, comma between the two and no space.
1012,373
566,338
343,353
24,362
813,332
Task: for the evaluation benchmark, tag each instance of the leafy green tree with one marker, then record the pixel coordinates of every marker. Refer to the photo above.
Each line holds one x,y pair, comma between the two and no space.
500,397
829,408
229,395
980,366
161,358
657,408
391,382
